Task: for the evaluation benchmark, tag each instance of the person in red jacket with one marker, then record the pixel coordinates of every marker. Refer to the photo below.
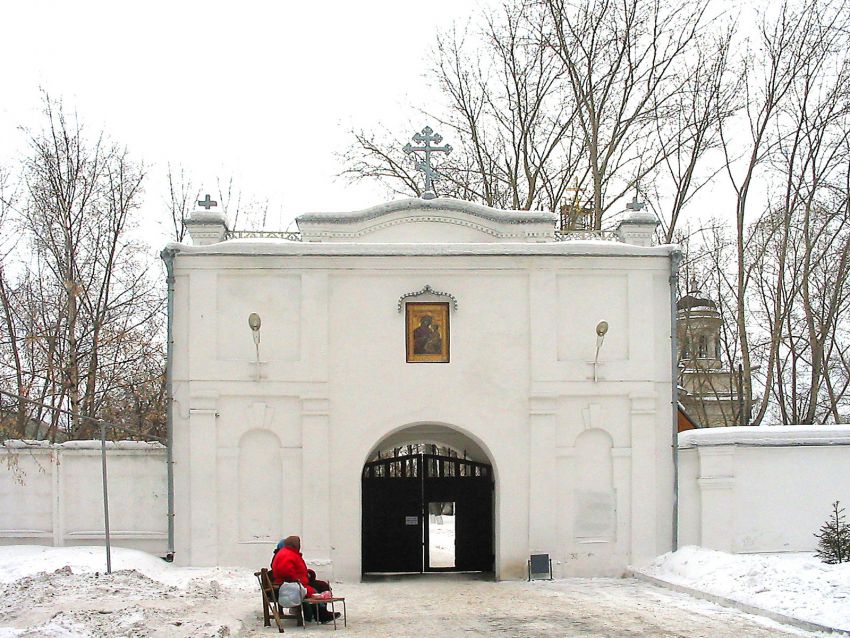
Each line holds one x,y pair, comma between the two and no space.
288,566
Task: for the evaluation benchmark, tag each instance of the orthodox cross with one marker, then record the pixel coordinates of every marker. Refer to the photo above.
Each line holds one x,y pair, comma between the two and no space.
635,204
426,137
207,202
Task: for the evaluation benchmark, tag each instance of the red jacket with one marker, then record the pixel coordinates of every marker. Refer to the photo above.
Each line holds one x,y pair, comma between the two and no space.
289,567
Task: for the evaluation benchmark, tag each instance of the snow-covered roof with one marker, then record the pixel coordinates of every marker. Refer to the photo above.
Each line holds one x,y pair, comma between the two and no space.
776,435
428,220
280,247
443,204
690,301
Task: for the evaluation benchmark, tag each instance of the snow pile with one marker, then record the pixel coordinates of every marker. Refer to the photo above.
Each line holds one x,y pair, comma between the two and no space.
17,561
54,591
796,585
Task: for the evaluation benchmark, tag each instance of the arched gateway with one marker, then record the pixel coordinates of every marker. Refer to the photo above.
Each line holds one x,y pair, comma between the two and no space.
402,497
423,321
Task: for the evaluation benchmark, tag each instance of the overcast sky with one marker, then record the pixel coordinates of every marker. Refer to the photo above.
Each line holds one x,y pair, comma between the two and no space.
264,91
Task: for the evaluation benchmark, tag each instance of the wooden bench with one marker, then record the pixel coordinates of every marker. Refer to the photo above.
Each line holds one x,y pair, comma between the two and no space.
271,607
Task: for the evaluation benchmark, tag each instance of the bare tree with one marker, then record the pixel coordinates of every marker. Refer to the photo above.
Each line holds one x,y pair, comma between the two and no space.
512,128
622,62
709,97
250,212
182,195
791,45
82,308
11,348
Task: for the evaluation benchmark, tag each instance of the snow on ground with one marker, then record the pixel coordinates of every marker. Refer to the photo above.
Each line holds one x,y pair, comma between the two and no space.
50,592
797,585
64,591
441,540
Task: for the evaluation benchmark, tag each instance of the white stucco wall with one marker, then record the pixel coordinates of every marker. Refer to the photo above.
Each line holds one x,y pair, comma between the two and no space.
583,470
52,495
761,489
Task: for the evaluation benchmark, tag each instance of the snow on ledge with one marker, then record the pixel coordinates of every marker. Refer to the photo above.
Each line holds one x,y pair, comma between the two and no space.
446,204
283,247
26,444
774,435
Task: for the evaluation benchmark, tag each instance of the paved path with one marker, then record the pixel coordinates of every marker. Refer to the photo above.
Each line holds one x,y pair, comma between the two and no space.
587,608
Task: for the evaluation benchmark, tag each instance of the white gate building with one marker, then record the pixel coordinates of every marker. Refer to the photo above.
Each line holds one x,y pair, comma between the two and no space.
433,321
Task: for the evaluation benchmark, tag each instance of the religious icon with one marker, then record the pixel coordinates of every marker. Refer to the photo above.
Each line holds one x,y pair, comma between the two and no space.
427,332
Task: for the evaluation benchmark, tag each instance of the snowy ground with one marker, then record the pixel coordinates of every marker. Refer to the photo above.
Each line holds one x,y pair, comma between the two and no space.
797,585
441,541
52,592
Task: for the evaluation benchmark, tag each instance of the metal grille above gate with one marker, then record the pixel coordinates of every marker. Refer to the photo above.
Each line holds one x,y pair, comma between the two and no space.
396,493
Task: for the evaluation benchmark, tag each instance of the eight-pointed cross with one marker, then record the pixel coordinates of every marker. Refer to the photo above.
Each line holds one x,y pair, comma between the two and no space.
425,138
207,202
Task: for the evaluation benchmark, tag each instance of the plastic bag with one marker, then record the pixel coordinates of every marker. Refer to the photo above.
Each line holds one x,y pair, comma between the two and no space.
291,594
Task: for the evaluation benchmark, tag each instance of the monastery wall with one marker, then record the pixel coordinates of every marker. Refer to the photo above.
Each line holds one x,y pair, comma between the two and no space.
761,489
741,490
53,495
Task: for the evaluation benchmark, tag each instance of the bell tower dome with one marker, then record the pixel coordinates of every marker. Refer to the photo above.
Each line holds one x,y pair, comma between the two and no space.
707,392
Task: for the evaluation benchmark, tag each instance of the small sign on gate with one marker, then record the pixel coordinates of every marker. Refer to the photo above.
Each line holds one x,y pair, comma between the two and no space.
411,520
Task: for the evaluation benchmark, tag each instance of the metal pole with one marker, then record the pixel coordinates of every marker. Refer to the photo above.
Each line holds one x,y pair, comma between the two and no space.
167,256
105,497
675,261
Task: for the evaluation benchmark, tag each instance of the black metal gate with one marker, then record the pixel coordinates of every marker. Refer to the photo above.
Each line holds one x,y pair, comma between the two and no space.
396,494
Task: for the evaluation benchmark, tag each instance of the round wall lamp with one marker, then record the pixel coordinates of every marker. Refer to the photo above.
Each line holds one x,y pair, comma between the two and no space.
601,331
254,323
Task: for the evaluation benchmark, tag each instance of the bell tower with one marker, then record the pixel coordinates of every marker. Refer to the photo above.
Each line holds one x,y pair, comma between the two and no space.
707,391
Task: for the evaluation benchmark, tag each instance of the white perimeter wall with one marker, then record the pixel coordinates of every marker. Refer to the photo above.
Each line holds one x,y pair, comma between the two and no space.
741,490
53,495
761,489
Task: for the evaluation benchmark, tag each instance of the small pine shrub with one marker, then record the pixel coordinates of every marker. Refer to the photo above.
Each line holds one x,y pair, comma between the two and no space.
834,538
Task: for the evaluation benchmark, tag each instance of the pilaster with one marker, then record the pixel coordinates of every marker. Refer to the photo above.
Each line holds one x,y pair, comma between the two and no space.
622,462
58,509
316,488
203,516
543,474
644,523
543,293
716,482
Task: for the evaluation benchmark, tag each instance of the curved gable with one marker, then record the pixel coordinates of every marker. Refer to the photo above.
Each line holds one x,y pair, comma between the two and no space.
428,221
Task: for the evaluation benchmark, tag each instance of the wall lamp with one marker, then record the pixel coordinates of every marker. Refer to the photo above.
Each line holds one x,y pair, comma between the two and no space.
601,331
254,324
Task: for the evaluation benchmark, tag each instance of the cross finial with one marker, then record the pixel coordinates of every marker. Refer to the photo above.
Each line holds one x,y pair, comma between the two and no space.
635,204
426,137
207,202
694,285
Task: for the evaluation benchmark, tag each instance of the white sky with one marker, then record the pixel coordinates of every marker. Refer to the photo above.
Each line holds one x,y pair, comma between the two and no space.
263,91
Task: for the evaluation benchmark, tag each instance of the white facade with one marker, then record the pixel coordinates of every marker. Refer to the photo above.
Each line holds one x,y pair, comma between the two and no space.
761,489
583,469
